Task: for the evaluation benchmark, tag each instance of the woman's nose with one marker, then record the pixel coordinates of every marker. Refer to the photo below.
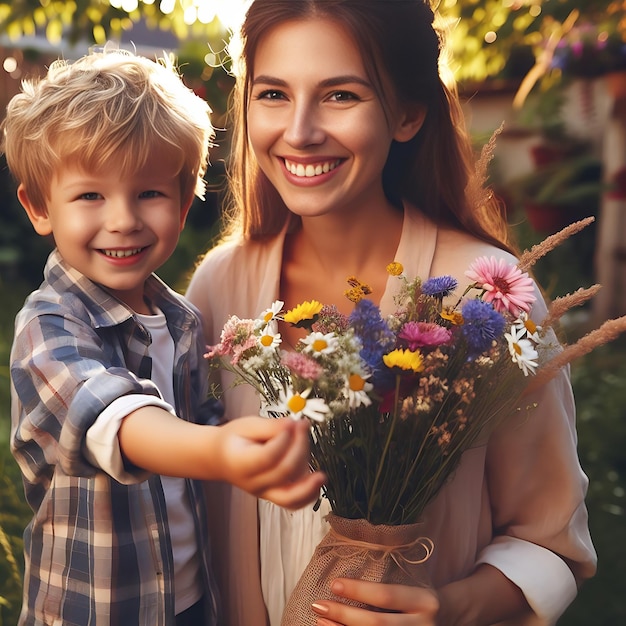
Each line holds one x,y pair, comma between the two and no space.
304,127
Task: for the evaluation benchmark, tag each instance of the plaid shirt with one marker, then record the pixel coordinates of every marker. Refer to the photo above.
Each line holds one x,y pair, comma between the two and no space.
97,552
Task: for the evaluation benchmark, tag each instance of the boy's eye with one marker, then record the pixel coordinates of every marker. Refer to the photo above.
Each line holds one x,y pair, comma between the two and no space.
90,195
151,193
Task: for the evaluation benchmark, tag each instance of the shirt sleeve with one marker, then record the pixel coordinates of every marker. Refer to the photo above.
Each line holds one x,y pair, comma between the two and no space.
537,492
546,581
102,447
64,376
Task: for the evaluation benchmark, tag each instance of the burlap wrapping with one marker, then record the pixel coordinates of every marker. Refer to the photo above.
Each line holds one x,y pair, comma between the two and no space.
354,548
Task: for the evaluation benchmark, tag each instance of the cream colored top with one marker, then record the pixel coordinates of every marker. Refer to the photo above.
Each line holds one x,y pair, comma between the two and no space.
516,503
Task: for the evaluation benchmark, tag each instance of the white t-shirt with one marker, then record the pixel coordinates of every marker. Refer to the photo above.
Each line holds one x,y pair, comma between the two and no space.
102,449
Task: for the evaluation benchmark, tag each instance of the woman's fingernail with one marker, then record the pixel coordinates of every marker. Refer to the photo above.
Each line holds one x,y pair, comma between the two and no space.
337,587
320,609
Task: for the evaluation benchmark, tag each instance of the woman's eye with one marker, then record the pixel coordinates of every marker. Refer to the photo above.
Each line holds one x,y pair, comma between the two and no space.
343,96
270,94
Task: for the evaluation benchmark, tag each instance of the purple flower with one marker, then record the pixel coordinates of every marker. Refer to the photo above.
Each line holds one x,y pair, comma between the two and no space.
482,324
439,286
376,337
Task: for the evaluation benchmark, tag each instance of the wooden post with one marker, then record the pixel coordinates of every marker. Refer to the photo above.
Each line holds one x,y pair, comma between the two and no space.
610,256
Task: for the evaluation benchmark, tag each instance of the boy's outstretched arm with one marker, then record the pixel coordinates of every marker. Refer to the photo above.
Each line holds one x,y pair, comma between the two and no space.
267,457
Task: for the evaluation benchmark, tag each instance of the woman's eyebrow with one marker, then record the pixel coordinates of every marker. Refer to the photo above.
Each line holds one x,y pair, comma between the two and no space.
333,81
269,80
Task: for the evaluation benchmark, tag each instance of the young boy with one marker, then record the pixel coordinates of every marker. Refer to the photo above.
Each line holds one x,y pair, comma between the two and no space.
107,368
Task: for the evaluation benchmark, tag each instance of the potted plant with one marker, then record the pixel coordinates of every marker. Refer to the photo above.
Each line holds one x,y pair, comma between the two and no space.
561,192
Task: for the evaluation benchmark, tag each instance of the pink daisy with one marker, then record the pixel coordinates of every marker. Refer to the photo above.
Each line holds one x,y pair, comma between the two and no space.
506,287
424,334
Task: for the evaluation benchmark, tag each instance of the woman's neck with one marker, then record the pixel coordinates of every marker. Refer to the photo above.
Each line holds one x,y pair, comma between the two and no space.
319,257
353,244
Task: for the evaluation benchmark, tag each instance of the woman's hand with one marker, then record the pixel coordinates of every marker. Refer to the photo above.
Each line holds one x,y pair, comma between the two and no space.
399,605
484,597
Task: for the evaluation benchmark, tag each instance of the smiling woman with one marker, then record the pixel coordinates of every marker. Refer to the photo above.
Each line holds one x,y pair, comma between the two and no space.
350,152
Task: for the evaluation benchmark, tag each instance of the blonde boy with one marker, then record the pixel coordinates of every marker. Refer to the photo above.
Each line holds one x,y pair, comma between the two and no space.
109,421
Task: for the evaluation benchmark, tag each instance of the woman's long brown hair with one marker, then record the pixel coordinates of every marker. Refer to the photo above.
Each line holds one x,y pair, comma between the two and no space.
401,47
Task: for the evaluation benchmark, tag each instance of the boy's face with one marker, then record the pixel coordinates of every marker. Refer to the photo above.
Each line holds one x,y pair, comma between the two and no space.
113,227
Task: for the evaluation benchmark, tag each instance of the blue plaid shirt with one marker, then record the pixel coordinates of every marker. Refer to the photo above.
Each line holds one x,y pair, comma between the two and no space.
97,552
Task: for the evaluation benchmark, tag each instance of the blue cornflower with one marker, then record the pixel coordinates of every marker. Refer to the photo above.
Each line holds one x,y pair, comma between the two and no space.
482,324
376,337
439,286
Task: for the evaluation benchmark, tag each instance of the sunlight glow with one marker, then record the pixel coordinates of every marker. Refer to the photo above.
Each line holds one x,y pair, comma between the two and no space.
129,5
9,65
490,37
229,12
167,6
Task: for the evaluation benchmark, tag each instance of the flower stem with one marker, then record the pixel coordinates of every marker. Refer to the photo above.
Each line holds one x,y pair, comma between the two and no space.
383,457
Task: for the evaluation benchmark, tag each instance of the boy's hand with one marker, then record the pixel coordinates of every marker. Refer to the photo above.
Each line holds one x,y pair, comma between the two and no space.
269,458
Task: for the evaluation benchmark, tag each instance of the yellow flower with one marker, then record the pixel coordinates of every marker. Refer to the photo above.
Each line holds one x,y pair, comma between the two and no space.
357,291
405,360
452,316
395,268
304,313
354,294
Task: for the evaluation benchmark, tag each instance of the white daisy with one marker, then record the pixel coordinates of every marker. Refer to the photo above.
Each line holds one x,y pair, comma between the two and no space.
357,388
320,343
530,329
522,350
269,339
299,405
270,315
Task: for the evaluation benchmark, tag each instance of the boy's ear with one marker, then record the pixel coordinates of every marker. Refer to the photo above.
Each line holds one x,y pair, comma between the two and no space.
184,210
38,216
411,119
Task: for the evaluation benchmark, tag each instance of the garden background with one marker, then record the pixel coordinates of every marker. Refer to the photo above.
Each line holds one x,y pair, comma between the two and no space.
543,67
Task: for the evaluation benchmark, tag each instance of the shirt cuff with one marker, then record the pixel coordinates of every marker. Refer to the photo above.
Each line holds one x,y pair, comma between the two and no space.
102,447
543,577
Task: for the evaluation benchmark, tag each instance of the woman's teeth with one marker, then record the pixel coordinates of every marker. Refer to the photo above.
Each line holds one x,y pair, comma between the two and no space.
310,170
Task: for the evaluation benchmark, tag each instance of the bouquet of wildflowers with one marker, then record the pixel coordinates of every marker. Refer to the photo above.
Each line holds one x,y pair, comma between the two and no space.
394,402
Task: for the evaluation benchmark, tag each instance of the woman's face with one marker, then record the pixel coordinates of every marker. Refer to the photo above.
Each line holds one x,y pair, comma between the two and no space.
315,121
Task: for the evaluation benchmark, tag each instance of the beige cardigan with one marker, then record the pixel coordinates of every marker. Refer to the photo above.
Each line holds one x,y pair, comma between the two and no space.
516,503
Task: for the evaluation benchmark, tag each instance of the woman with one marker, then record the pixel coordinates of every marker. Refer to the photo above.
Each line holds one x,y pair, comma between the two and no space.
349,152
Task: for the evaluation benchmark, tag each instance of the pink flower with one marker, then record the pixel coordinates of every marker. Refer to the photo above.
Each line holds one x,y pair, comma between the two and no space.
302,365
237,337
506,287
424,334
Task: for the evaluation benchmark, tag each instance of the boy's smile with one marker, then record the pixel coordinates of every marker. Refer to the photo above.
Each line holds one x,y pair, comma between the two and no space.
113,226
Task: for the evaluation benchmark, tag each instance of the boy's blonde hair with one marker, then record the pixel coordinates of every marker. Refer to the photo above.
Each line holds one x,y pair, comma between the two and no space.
108,107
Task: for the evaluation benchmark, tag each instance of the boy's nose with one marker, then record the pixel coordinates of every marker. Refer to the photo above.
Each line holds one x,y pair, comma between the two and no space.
122,216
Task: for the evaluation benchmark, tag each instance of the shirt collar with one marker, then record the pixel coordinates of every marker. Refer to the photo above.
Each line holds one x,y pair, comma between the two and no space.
104,308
